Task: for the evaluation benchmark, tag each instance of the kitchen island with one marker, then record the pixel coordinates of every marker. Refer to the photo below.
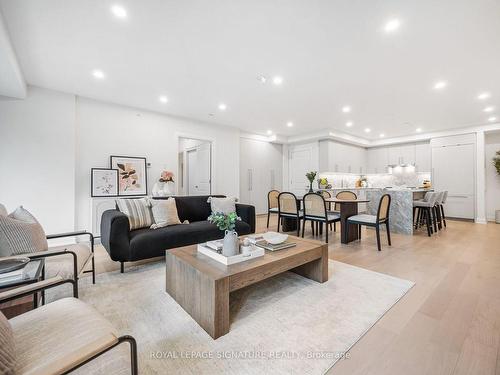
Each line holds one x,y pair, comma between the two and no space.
401,211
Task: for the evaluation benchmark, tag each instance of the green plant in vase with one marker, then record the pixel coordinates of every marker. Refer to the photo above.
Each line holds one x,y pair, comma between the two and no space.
311,176
227,224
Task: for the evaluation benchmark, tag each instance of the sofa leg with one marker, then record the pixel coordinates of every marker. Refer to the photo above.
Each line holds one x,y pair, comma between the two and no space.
122,267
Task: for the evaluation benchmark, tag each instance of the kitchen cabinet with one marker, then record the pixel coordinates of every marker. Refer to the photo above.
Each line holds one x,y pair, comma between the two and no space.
377,160
401,154
423,157
336,157
261,170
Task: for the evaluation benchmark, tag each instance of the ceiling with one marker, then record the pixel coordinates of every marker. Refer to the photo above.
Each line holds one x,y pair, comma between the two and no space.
330,53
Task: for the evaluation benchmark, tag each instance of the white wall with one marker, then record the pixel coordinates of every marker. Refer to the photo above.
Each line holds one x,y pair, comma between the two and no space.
50,141
37,157
492,145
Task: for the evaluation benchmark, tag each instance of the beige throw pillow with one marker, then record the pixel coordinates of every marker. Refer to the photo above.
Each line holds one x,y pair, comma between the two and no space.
224,205
138,212
164,213
21,233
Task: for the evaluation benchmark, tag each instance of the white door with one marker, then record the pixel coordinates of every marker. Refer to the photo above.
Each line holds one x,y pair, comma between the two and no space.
299,164
198,170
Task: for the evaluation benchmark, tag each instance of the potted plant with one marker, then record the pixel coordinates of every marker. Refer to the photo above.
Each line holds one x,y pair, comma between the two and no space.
496,164
227,223
311,176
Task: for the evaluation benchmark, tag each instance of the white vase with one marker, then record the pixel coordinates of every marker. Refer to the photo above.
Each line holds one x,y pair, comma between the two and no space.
158,189
230,245
169,188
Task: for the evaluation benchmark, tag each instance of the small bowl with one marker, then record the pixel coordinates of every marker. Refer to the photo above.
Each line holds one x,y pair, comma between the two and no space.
275,238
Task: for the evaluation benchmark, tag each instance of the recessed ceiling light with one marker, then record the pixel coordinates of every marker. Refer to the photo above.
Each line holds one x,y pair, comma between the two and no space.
489,109
392,25
262,79
119,11
289,124
418,130
492,119
269,132
346,109
99,74
349,124
163,99
367,130
381,135
440,85
484,95
222,107
277,80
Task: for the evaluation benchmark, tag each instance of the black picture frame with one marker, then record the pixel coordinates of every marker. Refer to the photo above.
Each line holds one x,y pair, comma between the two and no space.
116,187
114,163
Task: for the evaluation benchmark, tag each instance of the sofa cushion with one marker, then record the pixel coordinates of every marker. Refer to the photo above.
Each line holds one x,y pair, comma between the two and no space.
222,205
138,212
7,348
147,243
21,233
164,213
194,208
63,264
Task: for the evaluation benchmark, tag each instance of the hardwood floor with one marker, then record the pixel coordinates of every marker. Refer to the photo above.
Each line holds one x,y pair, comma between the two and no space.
448,323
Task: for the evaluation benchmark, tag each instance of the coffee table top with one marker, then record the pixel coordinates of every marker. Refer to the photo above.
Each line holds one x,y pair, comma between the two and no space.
216,270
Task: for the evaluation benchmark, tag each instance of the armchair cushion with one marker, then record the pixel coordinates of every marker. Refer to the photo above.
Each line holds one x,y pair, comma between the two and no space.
7,348
21,233
62,265
59,335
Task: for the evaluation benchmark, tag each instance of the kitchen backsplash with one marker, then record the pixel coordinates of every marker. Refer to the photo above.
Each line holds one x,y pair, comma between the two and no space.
397,178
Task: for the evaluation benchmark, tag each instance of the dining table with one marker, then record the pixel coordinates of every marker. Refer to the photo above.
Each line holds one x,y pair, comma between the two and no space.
348,208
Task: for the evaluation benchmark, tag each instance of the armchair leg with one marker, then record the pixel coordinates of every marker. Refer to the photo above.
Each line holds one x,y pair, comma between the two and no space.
122,267
93,270
133,353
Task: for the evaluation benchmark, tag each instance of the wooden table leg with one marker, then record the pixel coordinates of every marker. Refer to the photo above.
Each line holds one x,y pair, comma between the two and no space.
347,210
205,299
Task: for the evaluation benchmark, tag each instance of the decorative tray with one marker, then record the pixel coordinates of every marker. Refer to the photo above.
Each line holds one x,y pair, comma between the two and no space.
254,253
13,264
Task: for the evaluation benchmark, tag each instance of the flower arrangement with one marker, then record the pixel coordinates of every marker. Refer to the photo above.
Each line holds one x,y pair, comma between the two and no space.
166,176
311,176
496,162
224,221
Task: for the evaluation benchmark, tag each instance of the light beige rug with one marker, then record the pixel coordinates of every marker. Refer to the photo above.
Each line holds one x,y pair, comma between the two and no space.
285,325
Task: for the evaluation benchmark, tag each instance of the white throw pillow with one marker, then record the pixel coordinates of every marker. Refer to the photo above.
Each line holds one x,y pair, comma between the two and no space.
224,205
164,213
138,212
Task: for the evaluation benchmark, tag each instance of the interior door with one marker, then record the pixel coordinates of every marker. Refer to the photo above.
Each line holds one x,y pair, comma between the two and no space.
192,161
300,163
199,170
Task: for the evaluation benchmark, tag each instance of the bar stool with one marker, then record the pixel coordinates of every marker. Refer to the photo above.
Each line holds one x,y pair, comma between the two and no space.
436,213
424,209
441,206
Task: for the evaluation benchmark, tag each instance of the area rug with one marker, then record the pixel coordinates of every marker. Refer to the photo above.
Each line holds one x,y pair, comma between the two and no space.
285,325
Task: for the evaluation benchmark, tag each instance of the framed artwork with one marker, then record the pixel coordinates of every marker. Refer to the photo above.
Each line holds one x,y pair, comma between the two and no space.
132,174
103,182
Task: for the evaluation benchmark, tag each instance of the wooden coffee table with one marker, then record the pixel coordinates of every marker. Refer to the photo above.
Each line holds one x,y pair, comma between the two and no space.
202,286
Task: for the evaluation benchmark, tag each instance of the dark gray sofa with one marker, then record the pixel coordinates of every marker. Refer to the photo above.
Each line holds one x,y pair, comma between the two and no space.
124,245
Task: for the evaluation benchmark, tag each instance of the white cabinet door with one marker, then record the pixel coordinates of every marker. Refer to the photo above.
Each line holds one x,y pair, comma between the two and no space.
453,170
407,154
423,157
377,160
393,155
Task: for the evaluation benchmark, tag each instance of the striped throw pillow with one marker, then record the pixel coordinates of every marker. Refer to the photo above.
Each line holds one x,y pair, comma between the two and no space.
138,212
21,233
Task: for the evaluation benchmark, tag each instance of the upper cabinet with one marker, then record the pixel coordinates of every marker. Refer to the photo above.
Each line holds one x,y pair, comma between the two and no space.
423,157
377,160
401,154
338,157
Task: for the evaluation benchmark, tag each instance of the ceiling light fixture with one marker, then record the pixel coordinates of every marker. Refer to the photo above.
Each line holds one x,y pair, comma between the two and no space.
346,109
492,119
349,124
440,85
269,132
99,74
489,109
418,130
277,80
222,107
484,95
163,99
119,11
392,25
367,130
289,124
381,135
262,79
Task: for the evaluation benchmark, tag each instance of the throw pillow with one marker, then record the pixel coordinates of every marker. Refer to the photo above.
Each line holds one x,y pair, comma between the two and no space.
164,213
7,348
3,210
223,205
21,233
138,212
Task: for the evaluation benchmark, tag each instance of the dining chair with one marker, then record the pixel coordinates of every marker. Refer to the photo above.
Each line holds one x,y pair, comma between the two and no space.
376,221
288,207
272,204
344,194
315,211
328,195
